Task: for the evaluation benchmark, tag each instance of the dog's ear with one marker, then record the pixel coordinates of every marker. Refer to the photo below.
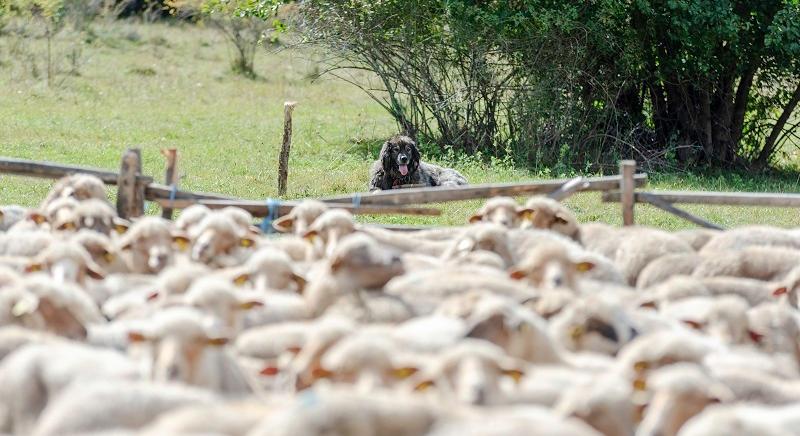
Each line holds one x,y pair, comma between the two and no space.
386,156
415,156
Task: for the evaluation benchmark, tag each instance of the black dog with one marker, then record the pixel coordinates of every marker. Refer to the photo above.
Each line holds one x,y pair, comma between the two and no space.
399,164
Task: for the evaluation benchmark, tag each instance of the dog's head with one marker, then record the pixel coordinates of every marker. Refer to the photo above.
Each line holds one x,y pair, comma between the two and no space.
399,156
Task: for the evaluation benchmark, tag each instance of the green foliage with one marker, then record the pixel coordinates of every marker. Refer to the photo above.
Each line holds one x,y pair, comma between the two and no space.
608,78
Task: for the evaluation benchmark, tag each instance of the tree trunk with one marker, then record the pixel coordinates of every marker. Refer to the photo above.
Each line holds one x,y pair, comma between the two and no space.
771,143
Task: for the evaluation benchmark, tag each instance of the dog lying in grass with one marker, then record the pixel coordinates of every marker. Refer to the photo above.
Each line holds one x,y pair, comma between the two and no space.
399,165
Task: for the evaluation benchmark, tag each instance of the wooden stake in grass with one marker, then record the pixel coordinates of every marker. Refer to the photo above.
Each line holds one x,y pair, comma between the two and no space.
626,187
283,163
130,193
171,177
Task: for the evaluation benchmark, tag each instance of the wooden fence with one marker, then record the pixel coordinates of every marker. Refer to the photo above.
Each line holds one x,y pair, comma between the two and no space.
134,188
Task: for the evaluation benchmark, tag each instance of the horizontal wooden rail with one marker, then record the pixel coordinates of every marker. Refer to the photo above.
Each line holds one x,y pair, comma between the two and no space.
157,191
261,209
47,170
471,192
715,198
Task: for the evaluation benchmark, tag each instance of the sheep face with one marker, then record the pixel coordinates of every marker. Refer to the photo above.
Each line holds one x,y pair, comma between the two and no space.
549,214
149,244
361,260
218,236
299,220
66,262
549,267
502,211
481,237
327,230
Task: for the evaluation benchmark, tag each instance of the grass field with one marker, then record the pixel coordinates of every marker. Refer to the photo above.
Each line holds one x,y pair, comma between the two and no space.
157,86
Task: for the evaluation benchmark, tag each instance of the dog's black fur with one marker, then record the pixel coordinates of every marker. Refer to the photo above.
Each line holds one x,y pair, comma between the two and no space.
402,150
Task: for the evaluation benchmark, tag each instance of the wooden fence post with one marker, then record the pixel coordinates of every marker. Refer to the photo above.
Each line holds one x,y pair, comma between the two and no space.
171,177
130,193
283,163
627,168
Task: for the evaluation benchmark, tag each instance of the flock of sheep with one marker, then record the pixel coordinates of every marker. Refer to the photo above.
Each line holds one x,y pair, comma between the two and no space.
522,322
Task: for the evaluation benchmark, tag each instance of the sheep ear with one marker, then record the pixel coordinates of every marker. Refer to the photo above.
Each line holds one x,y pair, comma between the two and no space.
336,264
311,235
476,218
489,328
649,305
755,336
300,282
181,241
121,225
37,217
216,342
561,218
294,349
95,272
241,279
153,295
61,320
515,374
269,371
526,214
67,226
284,224
247,242
693,324
584,266
404,372
25,306
252,304
424,385
517,274
780,291
33,267
320,372
137,337
256,230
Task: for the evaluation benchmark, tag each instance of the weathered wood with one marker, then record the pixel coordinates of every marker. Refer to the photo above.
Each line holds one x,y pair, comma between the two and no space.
569,188
170,177
668,207
157,191
471,192
286,145
718,198
48,170
627,168
260,208
130,193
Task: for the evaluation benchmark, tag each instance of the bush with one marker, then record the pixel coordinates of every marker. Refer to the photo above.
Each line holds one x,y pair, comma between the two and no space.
696,81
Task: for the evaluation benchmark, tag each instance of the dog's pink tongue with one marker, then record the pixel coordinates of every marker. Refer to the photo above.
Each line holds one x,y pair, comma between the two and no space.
403,169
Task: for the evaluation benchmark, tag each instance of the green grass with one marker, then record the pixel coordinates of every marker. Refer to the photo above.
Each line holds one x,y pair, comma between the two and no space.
159,86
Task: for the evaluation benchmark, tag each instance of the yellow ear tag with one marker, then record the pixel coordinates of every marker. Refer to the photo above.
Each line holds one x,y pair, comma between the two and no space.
250,305
108,257
639,384
241,279
404,372
641,366
182,243
421,387
576,332
216,342
246,243
34,267
584,266
515,374
120,229
527,215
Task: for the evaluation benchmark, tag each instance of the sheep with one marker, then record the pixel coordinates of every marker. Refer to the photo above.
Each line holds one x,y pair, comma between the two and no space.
42,304
219,241
640,246
724,317
697,238
300,218
328,229
269,268
661,269
342,412
24,243
549,267
520,333
229,418
102,250
680,392
776,328
96,406
518,420
592,324
10,215
99,216
752,236
761,263
488,237
548,214
744,419
13,337
604,402
191,217
242,218
148,246
35,374
503,211
219,297
66,261
470,373
80,187
787,288
187,349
